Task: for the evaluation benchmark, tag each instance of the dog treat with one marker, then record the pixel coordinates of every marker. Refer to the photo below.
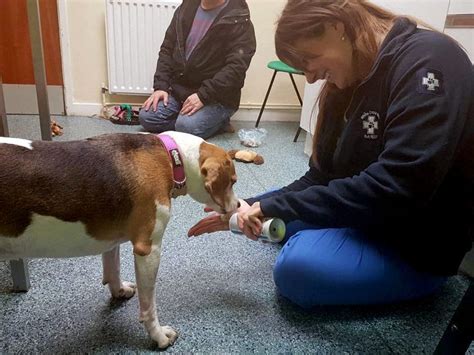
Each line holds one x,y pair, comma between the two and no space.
273,230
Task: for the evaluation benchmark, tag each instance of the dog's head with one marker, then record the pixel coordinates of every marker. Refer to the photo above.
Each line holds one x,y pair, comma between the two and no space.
218,174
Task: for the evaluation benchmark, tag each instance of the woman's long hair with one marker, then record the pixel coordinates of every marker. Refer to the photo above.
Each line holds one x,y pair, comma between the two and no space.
305,19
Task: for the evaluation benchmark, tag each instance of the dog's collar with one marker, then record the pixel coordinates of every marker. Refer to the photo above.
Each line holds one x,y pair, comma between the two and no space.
179,176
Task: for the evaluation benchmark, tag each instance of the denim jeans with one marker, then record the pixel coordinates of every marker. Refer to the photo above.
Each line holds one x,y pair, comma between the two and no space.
204,123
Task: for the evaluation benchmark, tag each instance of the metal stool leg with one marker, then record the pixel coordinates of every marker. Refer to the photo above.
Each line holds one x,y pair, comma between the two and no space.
3,113
20,275
266,97
34,22
460,331
296,89
19,268
298,131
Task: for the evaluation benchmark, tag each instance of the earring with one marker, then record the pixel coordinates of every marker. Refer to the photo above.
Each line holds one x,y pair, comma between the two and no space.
343,38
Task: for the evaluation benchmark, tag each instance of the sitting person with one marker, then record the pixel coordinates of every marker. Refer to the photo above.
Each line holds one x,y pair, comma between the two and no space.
385,212
201,68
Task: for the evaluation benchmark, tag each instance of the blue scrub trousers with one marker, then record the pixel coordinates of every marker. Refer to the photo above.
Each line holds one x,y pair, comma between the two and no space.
340,266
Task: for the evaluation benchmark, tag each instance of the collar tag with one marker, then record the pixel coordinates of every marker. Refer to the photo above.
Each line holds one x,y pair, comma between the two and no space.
179,176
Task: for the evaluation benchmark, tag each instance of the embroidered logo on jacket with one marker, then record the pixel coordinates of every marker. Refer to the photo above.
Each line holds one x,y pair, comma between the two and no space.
370,123
430,81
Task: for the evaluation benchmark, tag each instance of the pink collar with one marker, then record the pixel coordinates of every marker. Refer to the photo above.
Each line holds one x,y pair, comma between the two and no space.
179,177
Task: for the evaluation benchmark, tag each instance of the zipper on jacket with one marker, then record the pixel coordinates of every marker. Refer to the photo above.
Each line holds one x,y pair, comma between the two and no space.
372,72
375,67
178,35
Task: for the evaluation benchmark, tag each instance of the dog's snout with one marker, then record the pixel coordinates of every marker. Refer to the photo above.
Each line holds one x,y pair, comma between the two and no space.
232,206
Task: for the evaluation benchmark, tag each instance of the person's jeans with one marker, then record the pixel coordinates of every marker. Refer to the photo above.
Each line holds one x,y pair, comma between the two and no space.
204,123
341,266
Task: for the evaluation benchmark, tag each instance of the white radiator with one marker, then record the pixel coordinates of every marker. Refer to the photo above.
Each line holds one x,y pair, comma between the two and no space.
135,30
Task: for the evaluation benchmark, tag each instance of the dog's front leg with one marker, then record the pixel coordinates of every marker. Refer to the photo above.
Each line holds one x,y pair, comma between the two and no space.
146,270
111,267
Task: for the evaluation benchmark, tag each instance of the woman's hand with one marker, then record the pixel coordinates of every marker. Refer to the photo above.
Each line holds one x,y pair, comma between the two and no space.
192,104
215,221
154,98
250,221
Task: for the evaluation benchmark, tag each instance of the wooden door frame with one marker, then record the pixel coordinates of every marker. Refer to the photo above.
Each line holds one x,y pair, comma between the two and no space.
68,83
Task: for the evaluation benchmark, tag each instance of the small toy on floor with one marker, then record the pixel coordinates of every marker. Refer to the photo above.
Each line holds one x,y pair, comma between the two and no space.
124,115
56,130
246,156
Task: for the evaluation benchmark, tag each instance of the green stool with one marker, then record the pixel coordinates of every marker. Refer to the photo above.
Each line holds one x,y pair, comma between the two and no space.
279,66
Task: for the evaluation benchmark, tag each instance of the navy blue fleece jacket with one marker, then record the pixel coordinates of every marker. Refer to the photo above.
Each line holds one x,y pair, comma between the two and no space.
401,165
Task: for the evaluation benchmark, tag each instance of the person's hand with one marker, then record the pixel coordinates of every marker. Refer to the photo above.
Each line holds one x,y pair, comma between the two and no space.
214,222
191,105
154,98
250,221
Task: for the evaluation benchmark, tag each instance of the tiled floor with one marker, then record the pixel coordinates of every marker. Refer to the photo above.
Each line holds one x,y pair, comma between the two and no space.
216,290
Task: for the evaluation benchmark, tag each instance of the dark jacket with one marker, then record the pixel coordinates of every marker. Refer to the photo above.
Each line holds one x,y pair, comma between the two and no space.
401,166
216,68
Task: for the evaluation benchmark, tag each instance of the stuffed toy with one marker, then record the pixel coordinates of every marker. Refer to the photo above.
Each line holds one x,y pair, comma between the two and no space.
56,130
246,156
124,114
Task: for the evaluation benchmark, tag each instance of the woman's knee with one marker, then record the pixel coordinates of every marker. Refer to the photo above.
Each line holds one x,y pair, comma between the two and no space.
156,121
145,119
343,267
325,266
293,275
314,269
186,125
193,126
206,122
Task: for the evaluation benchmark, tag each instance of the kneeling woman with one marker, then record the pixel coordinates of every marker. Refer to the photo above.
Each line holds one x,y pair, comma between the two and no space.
385,211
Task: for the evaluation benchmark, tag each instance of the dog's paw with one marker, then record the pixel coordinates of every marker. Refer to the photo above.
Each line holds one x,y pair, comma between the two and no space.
126,291
171,334
165,336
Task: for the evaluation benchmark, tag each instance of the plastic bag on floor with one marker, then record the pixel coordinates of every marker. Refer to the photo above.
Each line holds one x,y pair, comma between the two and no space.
252,137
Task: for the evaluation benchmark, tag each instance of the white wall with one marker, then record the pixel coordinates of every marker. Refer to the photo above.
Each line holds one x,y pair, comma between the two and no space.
465,36
82,25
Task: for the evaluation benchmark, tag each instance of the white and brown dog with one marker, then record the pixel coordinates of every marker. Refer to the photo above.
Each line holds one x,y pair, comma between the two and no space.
77,198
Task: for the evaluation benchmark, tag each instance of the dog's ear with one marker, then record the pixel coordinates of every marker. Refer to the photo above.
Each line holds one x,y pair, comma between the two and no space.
210,172
232,153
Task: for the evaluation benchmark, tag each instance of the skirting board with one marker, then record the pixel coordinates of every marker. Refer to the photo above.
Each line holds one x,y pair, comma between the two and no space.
270,114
